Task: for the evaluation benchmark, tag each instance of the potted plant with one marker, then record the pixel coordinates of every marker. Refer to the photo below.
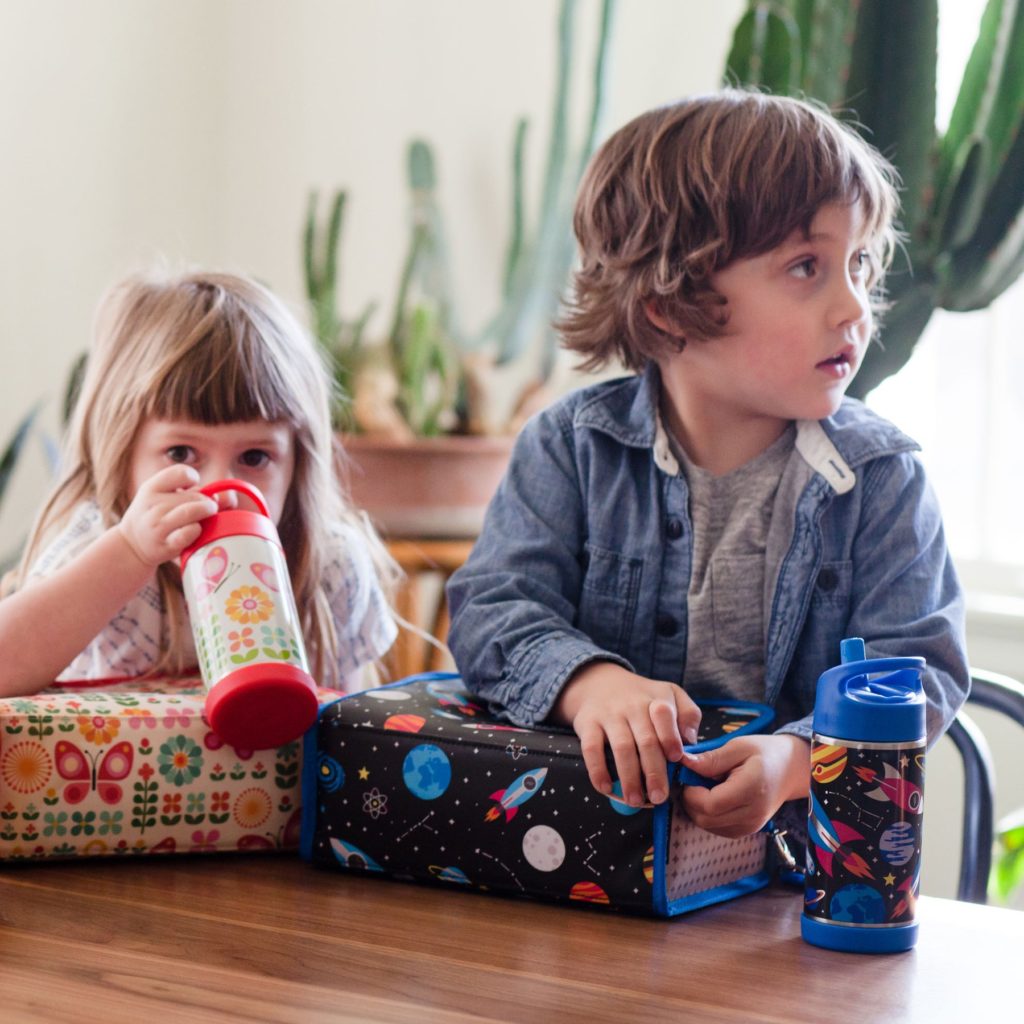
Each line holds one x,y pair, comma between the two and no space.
874,63
432,412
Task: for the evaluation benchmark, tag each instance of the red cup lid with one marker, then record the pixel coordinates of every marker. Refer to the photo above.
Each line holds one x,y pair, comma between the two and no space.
257,707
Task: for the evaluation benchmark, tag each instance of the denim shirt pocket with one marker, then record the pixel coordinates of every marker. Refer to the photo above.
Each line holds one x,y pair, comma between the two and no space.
737,601
608,599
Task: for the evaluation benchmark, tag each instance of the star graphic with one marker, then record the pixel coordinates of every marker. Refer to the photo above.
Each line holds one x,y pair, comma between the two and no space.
904,761
889,879
364,773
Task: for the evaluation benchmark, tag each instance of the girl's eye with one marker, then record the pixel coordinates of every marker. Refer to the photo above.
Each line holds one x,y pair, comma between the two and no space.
254,458
180,453
805,268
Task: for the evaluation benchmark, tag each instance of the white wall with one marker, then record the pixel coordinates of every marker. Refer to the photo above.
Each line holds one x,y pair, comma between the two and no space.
192,129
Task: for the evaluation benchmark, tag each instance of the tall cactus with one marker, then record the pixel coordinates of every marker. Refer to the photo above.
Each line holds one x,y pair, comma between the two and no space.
874,62
537,266
423,330
426,353
341,338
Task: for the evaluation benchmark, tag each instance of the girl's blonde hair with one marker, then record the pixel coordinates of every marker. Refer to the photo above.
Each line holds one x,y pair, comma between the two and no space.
213,348
682,191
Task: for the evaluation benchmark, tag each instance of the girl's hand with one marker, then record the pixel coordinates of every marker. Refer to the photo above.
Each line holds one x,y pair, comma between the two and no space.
760,773
644,722
164,516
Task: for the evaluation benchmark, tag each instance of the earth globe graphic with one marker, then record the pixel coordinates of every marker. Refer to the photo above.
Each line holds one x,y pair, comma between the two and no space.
426,771
858,904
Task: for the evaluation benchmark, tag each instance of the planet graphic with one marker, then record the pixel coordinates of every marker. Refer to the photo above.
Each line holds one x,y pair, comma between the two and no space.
619,804
405,723
588,892
543,848
427,771
386,694
897,843
649,865
857,904
827,762
332,775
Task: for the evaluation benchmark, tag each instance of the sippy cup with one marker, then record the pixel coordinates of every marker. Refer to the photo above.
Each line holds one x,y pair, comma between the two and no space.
865,810
259,692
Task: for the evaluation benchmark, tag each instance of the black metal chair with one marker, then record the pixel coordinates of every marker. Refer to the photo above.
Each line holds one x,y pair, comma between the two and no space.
1005,695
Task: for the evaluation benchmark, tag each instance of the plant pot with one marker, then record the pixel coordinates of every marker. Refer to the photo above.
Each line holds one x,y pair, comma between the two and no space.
429,487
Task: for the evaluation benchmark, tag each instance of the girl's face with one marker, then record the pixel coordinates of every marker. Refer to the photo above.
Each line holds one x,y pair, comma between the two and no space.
257,452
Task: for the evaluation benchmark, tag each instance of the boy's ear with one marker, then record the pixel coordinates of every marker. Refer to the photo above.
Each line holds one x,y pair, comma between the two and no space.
656,317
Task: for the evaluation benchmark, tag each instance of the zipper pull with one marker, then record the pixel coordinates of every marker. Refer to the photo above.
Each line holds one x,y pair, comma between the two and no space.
782,848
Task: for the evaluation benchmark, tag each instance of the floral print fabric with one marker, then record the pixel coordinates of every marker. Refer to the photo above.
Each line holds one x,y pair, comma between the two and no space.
134,768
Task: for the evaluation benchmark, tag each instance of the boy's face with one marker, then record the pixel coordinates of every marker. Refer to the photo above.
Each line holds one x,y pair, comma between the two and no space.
799,322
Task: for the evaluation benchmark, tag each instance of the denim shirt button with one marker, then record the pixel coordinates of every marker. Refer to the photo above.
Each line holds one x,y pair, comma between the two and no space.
666,625
828,580
674,529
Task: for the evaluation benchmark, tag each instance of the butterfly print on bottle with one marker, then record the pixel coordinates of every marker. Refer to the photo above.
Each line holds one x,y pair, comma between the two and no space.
267,575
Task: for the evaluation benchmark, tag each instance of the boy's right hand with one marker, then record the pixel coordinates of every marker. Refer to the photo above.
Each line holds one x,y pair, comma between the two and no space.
644,721
164,516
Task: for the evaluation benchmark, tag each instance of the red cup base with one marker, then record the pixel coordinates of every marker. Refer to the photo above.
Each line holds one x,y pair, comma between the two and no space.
261,706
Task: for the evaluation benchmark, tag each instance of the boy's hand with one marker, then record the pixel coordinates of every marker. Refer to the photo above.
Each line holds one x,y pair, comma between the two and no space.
760,773
645,722
164,516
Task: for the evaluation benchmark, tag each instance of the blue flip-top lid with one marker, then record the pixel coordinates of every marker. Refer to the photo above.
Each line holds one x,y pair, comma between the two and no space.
871,699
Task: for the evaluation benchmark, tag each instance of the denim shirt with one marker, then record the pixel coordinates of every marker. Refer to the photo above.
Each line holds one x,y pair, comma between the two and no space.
585,555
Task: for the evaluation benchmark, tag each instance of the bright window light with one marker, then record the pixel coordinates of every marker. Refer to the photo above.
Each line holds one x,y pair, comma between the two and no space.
961,396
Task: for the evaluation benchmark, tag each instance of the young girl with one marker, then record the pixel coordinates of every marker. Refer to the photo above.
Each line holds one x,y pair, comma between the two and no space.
190,379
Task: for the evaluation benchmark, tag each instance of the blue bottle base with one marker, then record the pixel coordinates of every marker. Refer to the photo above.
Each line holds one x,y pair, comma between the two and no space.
851,939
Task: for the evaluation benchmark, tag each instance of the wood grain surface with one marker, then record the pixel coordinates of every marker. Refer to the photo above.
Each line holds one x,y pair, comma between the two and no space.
268,938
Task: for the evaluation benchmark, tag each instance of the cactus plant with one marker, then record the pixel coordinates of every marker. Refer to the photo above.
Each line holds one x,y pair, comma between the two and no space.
422,336
874,63
341,339
438,378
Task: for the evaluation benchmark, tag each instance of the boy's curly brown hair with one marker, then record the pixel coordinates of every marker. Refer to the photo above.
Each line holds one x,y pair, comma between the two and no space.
684,190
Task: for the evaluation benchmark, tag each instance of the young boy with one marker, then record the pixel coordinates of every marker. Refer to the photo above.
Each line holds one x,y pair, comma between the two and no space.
715,525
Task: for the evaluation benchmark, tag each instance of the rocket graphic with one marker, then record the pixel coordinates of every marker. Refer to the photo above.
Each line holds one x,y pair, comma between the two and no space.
509,800
453,700
910,889
828,837
352,857
894,788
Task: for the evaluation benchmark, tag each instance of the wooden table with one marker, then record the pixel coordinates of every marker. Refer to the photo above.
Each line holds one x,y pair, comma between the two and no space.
268,938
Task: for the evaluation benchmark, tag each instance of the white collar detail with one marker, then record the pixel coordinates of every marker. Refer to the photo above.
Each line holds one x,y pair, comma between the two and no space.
823,457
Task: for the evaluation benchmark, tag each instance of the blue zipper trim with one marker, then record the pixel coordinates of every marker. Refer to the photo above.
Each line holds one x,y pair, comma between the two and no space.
719,894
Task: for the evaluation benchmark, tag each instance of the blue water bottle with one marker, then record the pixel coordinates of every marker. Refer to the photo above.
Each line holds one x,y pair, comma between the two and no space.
865,810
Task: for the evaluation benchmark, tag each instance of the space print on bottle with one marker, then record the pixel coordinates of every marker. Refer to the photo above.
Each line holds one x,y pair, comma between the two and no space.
864,832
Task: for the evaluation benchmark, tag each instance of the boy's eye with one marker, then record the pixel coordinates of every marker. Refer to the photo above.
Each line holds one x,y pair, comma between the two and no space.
862,262
180,453
805,268
254,458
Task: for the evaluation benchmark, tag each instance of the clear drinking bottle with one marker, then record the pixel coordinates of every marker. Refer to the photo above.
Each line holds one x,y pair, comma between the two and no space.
246,627
865,810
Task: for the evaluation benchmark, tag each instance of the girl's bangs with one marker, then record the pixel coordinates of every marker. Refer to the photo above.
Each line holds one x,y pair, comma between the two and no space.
229,375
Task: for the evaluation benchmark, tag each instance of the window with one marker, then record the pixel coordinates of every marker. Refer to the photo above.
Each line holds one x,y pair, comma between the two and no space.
962,394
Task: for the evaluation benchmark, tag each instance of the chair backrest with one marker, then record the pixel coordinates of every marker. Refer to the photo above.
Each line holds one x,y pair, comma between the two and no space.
1005,695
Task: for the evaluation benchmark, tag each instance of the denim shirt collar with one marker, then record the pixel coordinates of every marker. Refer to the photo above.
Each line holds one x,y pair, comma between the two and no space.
834,447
